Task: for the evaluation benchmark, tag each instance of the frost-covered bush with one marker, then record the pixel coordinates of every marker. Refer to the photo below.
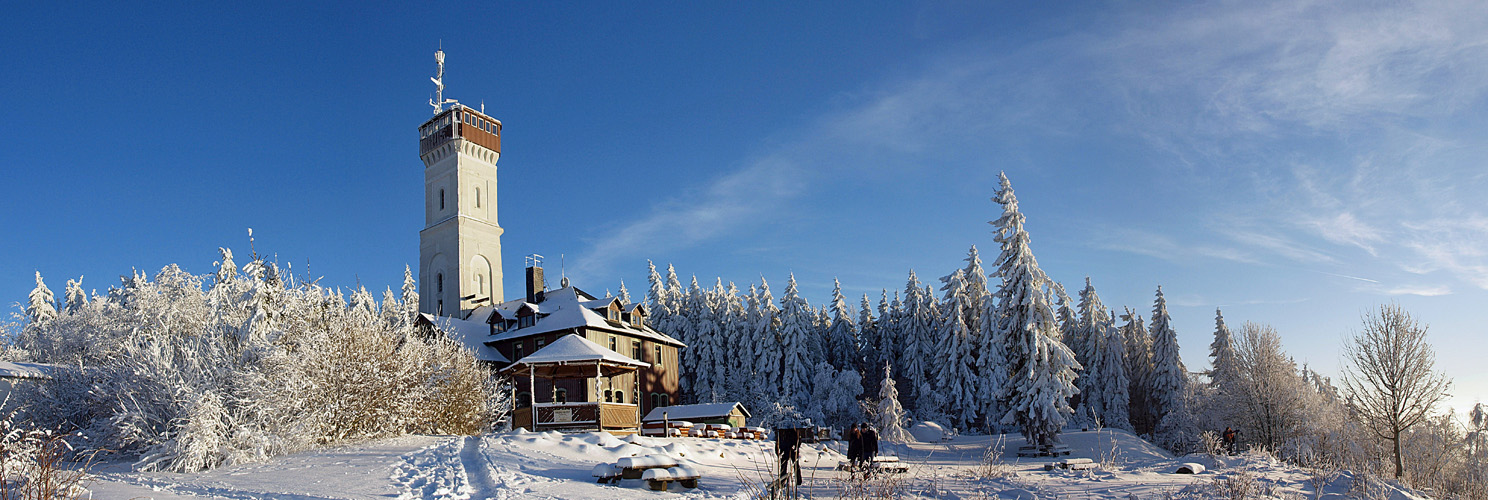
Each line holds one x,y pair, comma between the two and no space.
191,372
30,465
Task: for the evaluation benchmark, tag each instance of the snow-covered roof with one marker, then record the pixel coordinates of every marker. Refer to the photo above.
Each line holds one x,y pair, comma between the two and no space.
564,309
575,349
28,370
697,411
471,334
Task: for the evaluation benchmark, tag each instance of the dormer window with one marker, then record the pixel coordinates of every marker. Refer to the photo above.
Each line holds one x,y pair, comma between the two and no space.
614,314
526,321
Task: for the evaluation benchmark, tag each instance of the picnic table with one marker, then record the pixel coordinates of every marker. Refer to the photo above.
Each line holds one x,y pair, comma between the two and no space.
879,464
657,470
1073,464
1048,450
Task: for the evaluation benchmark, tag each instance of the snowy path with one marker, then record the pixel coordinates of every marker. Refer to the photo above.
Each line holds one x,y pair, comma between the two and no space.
477,468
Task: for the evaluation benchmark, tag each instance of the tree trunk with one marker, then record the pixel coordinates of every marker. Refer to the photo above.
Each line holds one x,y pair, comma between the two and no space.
1399,466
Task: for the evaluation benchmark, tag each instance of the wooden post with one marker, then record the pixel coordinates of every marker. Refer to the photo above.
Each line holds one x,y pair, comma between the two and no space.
532,397
598,403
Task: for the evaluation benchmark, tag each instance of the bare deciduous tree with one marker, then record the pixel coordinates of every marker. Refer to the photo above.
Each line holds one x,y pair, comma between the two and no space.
1390,375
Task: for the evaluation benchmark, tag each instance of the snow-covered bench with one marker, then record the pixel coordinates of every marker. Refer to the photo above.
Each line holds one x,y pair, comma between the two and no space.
606,473
636,467
658,478
1050,450
1073,464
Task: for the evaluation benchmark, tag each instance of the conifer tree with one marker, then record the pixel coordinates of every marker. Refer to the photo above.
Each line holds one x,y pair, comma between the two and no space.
1091,331
868,340
41,305
889,417
888,329
75,297
226,269
1115,386
770,357
917,342
844,332
1222,353
954,367
410,297
624,294
796,318
1138,372
1041,370
977,293
1176,429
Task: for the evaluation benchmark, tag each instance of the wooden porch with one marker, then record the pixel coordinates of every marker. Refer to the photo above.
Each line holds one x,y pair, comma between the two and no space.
614,417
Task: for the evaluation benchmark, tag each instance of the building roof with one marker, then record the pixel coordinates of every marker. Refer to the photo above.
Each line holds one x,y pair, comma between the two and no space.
697,411
28,370
565,309
471,334
570,349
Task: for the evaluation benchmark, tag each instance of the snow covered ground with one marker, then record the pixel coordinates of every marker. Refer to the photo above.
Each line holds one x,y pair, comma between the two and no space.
552,465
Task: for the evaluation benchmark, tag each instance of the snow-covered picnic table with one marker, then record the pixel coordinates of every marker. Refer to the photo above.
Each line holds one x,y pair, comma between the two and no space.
656,470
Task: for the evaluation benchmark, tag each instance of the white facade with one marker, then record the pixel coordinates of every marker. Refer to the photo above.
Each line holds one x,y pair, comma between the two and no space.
460,246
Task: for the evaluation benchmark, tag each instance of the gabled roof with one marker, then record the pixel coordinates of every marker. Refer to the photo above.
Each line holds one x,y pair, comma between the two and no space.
29,370
698,411
563,309
471,334
570,349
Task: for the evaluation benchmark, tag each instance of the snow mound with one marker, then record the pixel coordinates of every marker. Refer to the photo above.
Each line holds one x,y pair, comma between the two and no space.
928,432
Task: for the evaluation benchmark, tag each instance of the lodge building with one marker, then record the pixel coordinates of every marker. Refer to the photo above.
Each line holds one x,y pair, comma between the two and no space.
577,361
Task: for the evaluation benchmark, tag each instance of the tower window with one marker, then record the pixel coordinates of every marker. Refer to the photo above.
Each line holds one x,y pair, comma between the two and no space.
477,197
441,199
439,283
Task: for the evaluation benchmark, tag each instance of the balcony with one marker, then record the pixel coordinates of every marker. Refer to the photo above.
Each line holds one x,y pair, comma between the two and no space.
578,416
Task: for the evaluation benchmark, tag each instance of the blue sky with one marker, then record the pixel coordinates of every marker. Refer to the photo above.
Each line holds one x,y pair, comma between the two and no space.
1294,163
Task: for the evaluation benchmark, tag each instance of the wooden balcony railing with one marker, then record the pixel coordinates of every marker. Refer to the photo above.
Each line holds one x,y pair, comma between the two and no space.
576,415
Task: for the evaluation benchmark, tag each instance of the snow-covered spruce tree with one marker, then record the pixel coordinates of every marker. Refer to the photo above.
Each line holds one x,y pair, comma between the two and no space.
74,295
410,296
734,349
41,306
1221,353
623,294
822,330
954,366
1114,386
991,366
843,335
916,341
868,340
1139,373
770,358
1176,429
889,415
1069,332
1086,344
1041,370
977,293
700,368
889,345
797,367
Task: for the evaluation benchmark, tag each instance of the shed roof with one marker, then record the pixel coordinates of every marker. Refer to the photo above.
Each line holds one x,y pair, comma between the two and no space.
697,411
28,370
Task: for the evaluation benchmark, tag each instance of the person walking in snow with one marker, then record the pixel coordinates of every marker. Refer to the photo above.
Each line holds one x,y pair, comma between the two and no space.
870,444
1229,440
854,447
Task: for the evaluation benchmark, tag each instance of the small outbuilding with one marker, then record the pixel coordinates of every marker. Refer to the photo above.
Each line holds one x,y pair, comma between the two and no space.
731,414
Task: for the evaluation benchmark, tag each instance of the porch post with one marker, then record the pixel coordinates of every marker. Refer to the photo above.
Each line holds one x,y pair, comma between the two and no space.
598,403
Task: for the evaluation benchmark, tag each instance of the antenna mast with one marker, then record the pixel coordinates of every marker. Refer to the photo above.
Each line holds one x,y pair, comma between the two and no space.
439,101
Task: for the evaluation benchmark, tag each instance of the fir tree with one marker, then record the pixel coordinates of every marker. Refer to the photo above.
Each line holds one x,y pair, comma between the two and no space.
955,362
1169,384
1138,372
1091,329
410,297
918,346
770,357
226,269
76,298
1222,353
1041,370
843,335
889,417
624,294
1115,386
797,367
868,344
41,305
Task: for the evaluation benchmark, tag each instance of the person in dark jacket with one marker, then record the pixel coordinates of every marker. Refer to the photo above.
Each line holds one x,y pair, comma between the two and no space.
870,444
854,447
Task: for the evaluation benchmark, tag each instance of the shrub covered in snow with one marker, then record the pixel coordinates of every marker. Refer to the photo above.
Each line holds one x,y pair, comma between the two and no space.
190,372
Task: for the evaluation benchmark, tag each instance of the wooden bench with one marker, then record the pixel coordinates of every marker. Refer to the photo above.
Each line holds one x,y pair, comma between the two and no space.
636,467
658,478
1052,450
1073,464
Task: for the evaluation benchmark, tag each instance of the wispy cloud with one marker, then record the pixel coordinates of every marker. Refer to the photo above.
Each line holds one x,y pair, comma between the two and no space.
1428,291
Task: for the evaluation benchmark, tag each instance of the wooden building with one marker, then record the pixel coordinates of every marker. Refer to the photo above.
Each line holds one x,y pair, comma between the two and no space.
506,333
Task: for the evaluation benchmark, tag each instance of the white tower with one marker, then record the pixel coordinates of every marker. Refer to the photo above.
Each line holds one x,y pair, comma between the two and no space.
460,246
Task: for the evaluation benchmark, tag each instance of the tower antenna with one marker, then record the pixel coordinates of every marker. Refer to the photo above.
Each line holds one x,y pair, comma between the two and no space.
439,101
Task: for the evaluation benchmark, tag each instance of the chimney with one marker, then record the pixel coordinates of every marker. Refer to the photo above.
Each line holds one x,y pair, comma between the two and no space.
535,283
